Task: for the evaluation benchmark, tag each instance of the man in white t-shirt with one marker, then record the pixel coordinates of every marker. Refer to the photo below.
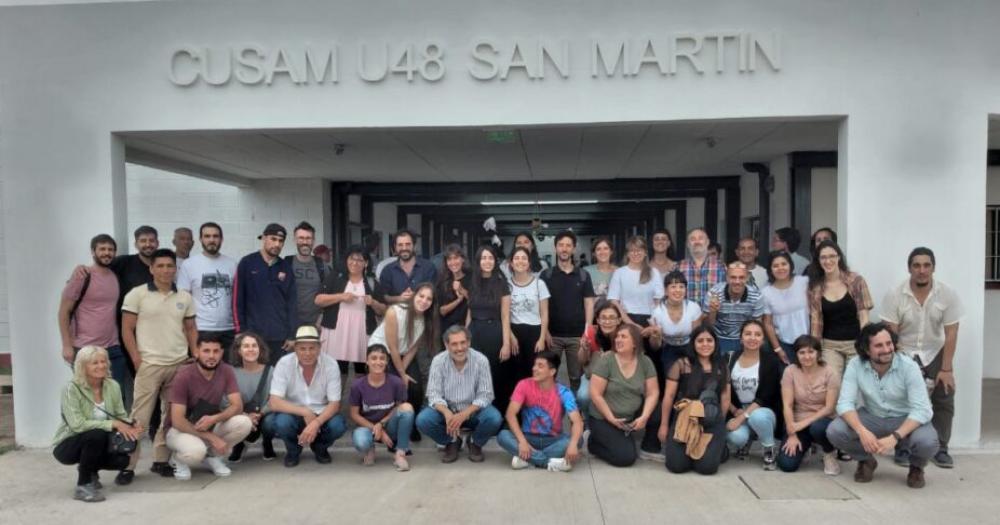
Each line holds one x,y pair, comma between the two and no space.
209,277
747,252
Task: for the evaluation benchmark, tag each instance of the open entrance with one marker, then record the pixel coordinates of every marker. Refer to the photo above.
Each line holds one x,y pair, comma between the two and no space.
732,177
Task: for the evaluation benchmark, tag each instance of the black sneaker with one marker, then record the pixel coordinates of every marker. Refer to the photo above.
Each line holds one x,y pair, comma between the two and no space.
95,480
162,468
291,460
943,460
237,454
124,477
322,455
268,450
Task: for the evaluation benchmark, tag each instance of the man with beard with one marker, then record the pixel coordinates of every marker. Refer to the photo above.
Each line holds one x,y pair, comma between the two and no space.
883,406
309,271
183,242
264,295
158,330
133,270
924,312
701,270
87,312
208,276
398,280
571,304
198,428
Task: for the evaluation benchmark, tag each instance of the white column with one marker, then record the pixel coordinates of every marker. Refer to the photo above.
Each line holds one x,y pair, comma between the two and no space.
59,193
913,173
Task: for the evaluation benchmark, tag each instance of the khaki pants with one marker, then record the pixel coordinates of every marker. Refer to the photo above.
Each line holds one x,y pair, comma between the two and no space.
191,450
152,382
569,347
837,354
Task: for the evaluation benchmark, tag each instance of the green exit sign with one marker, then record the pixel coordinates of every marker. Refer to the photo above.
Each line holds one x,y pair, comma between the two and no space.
501,136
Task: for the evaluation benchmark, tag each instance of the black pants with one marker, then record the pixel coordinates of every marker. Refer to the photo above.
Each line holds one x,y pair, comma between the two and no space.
226,337
89,450
414,391
527,336
275,351
679,462
359,368
611,444
487,338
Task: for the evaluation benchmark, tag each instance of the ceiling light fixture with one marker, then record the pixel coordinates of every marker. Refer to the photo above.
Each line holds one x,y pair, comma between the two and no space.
533,203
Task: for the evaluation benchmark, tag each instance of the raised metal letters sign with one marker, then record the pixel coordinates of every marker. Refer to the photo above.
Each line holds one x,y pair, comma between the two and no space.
483,59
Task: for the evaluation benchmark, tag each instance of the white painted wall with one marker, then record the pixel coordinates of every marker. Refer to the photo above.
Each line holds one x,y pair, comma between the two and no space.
991,333
4,323
74,75
823,200
167,200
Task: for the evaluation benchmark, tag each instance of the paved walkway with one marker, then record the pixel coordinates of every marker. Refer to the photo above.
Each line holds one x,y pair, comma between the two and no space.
35,489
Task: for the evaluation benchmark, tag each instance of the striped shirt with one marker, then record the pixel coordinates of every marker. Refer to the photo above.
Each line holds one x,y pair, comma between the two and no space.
733,313
457,389
701,280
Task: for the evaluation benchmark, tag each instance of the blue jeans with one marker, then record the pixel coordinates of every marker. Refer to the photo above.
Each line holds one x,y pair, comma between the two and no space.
543,448
287,428
762,421
484,424
399,427
728,346
814,433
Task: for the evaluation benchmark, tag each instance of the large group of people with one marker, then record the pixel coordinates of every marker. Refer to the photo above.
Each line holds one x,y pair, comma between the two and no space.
687,362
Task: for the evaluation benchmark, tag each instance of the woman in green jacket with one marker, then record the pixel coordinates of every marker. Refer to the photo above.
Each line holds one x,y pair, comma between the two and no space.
92,409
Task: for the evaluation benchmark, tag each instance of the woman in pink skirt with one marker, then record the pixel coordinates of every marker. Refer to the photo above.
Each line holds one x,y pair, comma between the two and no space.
348,312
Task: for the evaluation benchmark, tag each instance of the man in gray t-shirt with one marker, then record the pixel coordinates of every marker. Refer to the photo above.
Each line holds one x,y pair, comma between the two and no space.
309,273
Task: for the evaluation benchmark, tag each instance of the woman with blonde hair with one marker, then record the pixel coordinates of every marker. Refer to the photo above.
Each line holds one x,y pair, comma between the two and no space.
92,412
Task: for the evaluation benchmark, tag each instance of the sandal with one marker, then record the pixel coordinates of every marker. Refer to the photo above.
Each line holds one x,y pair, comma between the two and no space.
369,458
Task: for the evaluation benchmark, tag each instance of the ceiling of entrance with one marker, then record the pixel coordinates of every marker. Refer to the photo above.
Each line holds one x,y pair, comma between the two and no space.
494,154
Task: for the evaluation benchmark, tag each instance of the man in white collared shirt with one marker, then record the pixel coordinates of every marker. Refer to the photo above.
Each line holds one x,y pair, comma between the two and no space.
305,400
925,313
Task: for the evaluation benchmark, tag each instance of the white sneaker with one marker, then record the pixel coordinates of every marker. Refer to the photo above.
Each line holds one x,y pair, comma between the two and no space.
652,456
559,465
182,472
517,463
218,466
831,467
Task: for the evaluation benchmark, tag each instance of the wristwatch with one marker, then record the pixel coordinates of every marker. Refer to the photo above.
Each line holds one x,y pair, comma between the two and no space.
897,436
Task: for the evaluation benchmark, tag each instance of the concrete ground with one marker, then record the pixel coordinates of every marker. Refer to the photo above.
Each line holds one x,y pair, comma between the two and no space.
35,489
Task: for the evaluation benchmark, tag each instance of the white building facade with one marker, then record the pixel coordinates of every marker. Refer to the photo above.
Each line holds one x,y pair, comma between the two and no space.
910,85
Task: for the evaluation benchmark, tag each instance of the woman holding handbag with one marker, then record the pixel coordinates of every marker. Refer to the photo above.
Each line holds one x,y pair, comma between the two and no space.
253,375
94,433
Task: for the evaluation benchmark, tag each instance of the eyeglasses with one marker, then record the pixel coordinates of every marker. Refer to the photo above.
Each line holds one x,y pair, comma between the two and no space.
829,257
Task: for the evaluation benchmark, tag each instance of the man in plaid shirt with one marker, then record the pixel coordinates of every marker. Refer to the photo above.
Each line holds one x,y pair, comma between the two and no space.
701,270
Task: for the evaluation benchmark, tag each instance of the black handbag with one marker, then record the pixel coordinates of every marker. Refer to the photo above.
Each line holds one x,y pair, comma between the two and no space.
709,398
117,442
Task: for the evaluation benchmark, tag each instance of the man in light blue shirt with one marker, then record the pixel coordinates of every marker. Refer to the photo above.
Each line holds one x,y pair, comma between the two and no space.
883,405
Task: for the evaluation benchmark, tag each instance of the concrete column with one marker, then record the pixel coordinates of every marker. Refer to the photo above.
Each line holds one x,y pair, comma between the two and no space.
912,175
60,192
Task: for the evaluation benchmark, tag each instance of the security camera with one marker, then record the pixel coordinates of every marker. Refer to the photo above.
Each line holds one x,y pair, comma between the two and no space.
338,149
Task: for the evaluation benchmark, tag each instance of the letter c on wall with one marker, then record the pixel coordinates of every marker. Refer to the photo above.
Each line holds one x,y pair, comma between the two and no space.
185,60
